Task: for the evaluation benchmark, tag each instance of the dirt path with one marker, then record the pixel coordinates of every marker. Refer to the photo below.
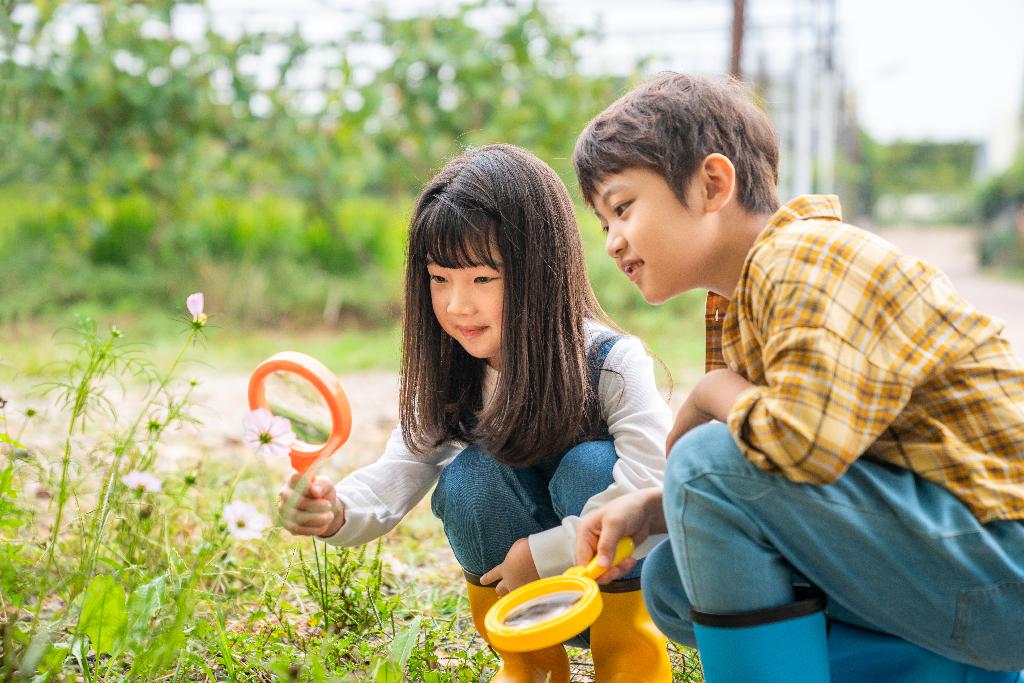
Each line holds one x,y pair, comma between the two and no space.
952,250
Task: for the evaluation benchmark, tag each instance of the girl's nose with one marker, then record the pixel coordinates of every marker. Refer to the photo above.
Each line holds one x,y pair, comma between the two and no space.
460,303
614,243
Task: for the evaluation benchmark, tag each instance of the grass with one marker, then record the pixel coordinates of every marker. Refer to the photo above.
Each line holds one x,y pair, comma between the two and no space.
100,582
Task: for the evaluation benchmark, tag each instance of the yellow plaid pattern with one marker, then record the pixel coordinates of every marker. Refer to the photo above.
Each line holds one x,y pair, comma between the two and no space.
857,349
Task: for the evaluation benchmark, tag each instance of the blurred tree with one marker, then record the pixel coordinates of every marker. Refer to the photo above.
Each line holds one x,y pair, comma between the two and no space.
451,84
125,107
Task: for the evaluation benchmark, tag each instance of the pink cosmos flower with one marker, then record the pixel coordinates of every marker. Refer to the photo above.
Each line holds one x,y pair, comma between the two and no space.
266,433
244,522
195,303
143,482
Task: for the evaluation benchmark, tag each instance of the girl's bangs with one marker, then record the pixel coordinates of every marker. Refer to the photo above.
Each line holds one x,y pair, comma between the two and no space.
452,238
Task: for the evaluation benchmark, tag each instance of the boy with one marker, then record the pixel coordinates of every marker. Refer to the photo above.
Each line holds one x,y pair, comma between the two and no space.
871,444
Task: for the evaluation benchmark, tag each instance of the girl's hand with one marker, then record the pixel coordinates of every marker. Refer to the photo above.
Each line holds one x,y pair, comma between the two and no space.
310,509
638,514
517,569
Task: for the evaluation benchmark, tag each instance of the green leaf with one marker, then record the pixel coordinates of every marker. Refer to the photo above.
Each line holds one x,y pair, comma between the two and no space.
103,617
404,642
386,671
142,604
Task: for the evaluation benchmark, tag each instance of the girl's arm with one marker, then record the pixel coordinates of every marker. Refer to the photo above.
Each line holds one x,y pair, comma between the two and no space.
376,497
638,420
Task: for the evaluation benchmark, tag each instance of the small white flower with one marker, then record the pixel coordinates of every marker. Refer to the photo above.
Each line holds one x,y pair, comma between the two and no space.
266,433
195,303
244,522
143,482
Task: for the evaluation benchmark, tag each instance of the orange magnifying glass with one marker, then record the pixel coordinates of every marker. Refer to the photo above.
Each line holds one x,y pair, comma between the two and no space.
316,379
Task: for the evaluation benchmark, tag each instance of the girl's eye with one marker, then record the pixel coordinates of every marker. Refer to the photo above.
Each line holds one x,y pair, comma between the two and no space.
483,279
436,278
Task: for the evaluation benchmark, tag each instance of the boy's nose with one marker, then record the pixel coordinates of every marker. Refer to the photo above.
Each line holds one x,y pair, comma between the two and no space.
614,244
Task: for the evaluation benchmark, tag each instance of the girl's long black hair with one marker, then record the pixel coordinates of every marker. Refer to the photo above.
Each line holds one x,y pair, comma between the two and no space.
489,204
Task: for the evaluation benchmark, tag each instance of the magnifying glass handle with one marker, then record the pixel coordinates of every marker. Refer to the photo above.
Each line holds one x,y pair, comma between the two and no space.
593,570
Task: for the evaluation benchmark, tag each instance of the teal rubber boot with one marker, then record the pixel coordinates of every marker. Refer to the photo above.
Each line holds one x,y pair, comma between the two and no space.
857,655
786,644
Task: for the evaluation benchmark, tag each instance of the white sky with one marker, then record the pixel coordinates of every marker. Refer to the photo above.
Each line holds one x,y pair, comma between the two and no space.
957,74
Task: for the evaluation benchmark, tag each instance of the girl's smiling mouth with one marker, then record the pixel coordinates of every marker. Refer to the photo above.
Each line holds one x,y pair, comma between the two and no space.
471,332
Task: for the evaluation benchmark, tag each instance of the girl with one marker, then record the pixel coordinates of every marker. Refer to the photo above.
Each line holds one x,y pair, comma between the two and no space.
517,400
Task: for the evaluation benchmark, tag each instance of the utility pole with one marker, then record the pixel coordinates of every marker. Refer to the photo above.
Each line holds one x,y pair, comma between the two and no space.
736,55
826,27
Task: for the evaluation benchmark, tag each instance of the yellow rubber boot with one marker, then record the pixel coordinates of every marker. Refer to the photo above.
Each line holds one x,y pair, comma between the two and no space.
550,665
626,645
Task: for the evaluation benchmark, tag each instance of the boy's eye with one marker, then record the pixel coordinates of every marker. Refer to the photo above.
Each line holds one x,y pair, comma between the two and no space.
621,208
604,228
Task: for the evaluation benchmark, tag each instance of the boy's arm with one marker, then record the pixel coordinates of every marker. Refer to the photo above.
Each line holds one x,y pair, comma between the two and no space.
824,404
710,399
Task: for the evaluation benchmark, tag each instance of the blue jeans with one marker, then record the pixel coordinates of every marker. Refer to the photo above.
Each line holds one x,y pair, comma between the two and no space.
892,552
487,506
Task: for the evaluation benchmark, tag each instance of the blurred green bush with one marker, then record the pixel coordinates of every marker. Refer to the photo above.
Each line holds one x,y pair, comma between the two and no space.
1000,202
263,260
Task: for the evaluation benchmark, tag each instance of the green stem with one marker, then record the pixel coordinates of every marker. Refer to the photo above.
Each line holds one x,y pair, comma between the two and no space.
88,564
96,367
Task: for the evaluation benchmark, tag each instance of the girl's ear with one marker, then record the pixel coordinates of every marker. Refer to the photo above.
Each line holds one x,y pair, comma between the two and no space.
719,177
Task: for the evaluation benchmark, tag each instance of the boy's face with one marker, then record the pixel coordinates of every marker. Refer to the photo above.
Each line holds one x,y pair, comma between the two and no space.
662,246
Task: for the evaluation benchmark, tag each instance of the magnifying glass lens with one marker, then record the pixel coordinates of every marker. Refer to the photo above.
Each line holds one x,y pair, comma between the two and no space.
542,608
290,395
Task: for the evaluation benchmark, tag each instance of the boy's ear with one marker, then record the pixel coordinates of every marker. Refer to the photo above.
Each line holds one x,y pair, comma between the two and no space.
719,177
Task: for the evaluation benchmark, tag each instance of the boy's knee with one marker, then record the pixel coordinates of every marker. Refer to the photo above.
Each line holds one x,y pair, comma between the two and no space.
584,471
707,449
664,595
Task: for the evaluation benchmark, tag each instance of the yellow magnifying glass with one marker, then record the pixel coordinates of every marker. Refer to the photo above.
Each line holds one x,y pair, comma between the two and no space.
549,611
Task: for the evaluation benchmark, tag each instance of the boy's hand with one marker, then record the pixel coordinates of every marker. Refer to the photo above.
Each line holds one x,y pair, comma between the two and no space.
638,514
310,509
517,569
711,399
687,417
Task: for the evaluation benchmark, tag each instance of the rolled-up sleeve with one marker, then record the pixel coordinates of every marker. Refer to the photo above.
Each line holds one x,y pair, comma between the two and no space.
824,404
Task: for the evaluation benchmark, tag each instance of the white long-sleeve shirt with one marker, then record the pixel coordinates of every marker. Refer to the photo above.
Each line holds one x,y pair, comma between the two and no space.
378,496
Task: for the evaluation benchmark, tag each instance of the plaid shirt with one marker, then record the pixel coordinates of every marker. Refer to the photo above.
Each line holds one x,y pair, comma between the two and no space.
857,349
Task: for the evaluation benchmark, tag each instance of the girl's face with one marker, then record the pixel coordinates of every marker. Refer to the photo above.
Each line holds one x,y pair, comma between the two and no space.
468,304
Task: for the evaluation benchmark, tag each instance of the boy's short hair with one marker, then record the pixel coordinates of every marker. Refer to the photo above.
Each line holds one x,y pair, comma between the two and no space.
670,124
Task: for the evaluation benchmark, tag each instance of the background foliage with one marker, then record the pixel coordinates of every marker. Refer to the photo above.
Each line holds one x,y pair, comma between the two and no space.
143,150
136,160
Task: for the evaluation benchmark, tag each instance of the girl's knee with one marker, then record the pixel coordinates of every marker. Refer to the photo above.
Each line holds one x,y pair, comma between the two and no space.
584,471
465,475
